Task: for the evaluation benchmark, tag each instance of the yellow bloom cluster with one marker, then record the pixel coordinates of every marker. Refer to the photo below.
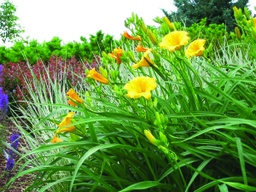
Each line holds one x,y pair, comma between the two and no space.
141,86
177,39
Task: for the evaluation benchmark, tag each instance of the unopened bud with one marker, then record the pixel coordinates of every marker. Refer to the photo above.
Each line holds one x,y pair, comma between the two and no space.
163,138
170,24
238,33
254,34
144,27
152,37
151,137
103,72
237,12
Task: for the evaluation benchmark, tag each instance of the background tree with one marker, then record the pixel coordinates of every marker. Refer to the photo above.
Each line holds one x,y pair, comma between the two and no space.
216,11
9,28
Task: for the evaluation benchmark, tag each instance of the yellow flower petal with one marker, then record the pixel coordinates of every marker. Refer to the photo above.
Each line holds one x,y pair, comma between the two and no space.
196,48
174,40
140,87
97,76
64,124
74,96
145,61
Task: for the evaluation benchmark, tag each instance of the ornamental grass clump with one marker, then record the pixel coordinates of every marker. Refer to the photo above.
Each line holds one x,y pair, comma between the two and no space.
185,122
15,75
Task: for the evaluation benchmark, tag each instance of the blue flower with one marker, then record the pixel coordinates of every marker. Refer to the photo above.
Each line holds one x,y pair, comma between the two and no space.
3,101
14,140
10,164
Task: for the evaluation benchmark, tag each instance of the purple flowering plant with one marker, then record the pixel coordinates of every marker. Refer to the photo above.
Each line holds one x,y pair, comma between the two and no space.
3,104
3,98
14,141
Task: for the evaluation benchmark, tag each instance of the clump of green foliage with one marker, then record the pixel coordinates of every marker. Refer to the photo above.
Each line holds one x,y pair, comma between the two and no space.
32,51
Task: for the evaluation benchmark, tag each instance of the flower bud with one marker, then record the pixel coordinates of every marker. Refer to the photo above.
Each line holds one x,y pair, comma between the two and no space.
152,37
237,32
163,138
144,27
151,138
170,24
237,12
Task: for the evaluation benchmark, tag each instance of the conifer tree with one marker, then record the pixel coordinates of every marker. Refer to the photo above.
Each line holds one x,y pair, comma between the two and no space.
216,11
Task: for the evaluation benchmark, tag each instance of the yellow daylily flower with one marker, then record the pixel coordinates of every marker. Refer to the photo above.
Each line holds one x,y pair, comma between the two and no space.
74,96
97,76
140,48
56,139
174,40
116,54
64,124
196,48
128,36
145,61
140,87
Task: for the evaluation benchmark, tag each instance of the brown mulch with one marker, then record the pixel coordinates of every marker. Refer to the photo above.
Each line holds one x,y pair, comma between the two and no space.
21,183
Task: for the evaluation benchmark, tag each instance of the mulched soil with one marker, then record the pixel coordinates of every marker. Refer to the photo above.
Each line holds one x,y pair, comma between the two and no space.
21,183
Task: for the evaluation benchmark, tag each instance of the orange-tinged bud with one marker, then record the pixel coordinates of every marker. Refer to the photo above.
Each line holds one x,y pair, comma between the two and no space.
56,139
74,96
128,36
97,76
117,53
140,48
